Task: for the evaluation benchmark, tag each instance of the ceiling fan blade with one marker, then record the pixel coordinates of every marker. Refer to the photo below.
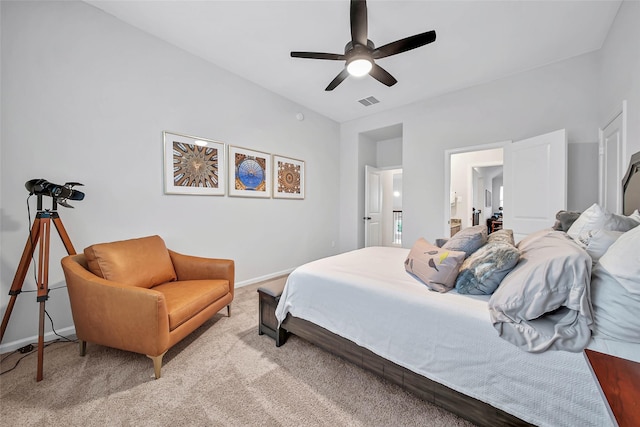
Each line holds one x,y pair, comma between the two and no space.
318,55
359,29
380,74
404,45
339,78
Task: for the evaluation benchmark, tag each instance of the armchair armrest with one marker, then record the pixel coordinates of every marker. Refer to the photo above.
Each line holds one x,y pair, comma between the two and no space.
116,315
189,267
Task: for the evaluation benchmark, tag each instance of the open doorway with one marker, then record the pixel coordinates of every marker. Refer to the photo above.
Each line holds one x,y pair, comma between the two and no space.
473,183
383,207
534,185
380,163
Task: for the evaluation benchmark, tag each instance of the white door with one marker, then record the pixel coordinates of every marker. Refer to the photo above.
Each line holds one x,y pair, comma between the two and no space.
611,164
535,182
372,206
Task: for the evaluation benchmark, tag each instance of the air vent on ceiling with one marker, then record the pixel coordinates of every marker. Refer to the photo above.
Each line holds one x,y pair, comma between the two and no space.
368,101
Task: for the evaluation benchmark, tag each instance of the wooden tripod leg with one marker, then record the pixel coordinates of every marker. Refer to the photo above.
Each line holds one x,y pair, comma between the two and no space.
40,343
63,235
21,272
43,286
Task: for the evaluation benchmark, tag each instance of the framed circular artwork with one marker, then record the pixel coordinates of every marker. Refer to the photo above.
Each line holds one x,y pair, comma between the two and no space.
288,178
249,173
193,165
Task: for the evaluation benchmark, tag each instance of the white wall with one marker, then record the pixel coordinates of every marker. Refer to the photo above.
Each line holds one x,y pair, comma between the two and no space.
86,97
561,95
582,175
389,153
619,66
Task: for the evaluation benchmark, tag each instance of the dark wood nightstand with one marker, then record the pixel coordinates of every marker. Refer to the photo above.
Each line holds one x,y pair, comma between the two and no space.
619,381
268,296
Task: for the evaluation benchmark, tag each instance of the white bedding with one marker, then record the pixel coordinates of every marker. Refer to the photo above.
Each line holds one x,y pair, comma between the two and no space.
446,337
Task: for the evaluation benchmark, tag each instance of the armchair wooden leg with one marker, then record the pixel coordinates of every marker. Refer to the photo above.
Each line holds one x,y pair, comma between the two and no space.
229,310
157,363
82,347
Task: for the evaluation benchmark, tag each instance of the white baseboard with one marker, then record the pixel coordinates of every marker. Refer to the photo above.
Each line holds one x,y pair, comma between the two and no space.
69,332
263,278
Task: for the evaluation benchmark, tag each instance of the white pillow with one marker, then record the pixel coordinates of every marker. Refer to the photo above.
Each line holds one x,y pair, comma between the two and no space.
615,290
596,218
621,222
596,242
622,260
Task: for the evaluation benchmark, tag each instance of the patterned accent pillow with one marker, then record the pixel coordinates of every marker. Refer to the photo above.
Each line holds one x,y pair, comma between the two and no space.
482,272
435,267
467,240
504,236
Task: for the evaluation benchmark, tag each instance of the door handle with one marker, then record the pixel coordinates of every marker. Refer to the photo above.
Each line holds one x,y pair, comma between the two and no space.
366,218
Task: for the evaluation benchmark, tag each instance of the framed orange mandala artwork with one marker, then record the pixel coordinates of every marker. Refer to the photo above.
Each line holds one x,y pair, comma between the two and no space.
193,165
288,178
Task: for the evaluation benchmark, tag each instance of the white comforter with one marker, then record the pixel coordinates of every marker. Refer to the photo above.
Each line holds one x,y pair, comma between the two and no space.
367,297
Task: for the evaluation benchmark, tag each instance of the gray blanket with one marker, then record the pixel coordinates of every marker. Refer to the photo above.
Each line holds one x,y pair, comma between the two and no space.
543,303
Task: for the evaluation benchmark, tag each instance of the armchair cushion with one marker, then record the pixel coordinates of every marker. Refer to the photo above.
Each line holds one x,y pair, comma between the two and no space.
187,298
143,262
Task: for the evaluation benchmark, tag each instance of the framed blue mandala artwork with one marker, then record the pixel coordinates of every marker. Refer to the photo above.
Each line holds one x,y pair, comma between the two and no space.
249,173
193,165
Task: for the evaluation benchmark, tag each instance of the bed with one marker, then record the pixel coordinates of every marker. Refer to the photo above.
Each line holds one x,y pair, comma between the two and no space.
447,348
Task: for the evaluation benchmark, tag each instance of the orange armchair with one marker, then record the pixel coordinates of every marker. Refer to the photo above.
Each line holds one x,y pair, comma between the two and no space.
136,295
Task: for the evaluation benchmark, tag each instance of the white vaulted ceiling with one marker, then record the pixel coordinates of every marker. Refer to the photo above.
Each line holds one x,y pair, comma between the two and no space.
477,42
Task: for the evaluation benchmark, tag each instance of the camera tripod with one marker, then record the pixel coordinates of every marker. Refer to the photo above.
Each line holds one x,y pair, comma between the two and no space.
40,233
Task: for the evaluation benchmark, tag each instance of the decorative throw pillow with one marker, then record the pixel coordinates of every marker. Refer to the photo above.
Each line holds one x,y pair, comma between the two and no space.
467,240
615,290
435,267
504,236
143,262
596,218
565,219
596,242
482,272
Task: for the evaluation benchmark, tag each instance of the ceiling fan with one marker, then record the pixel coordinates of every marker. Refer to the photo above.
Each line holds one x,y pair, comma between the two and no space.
360,53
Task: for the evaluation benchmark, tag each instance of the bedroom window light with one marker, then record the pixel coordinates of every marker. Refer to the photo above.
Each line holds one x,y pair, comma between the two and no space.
501,199
397,227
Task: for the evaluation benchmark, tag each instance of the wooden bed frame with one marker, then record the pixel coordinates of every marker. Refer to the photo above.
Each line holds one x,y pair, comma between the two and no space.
479,413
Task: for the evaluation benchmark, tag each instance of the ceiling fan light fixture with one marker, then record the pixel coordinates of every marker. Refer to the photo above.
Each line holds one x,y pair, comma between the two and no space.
360,53
359,67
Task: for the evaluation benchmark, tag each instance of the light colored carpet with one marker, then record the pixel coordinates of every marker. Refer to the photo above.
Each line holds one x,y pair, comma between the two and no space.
224,374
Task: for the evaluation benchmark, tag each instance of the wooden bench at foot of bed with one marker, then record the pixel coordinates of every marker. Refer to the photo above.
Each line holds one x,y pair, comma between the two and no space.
477,412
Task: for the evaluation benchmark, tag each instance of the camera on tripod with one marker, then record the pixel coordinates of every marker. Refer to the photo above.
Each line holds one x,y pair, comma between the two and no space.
59,193
40,234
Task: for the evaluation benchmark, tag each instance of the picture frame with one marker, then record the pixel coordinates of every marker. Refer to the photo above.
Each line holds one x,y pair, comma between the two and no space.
288,178
193,165
249,172
487,198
